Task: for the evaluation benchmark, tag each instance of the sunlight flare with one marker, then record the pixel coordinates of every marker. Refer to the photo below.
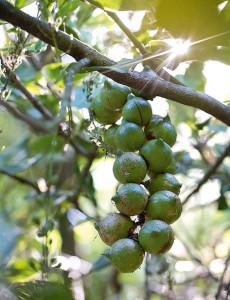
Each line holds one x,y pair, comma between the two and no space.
179,46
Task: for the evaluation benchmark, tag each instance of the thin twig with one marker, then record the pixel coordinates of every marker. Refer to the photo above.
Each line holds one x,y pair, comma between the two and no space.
33,100
19,85
197,259
148,292
69,79
34,124
55,93
202,206
138,45
38,127
192,280
221,283
78,148
21,180
209,173
84,175
69,85
123,27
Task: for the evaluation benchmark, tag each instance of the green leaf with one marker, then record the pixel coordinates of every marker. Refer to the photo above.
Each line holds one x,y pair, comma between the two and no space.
222,203
80,99
224,187
90,190
194,20
42,290
8,236
12,30
84,13
37,47
20,167
201,126
138,4
226,11
22,3
50,102
48,226
16,158
23,268
115,4
53,71
194,76
26,73
67,7
127,4
46,143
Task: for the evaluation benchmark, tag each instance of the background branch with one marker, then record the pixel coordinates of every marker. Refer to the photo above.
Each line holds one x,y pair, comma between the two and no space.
139,46
209,173
75,68
34,124
20,86
196,259
21,180
148,274
221,283
39,127
150,85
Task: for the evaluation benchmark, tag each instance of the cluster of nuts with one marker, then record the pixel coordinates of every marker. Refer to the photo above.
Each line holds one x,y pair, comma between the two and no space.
142,144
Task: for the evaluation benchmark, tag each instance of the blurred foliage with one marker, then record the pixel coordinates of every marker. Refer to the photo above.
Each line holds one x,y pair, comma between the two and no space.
54,184
42,290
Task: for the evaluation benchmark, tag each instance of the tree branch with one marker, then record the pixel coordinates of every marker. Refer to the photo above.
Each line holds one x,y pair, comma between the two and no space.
39,127
196,259
150,85
158,69
209,173
22,180
19,85
123,27
35,125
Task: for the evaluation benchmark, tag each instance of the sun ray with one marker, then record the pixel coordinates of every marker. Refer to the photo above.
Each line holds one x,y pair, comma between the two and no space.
178,48
210,38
